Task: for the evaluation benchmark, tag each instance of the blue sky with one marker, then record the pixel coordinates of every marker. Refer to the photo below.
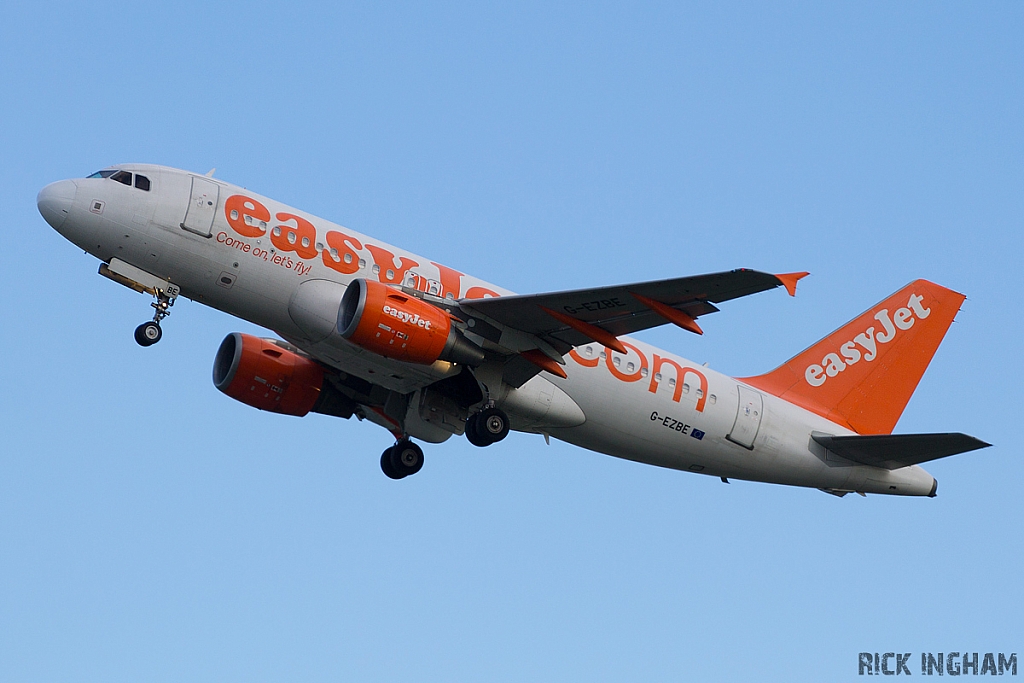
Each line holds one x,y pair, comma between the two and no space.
153,530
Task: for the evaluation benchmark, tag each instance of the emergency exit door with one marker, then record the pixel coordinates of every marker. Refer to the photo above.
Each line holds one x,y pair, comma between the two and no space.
748,417
202,206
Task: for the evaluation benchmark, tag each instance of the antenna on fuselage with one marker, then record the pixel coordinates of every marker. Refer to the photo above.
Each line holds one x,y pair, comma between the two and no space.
209,174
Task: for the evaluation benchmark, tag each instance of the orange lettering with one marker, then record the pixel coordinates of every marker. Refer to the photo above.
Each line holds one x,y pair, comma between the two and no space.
420,283
244,215
451,280
345,247
680,376
480,293
300,239
703,389
621,375
385,260
591,363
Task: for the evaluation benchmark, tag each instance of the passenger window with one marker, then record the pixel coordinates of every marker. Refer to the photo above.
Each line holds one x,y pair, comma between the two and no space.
142,182
123,177
102,174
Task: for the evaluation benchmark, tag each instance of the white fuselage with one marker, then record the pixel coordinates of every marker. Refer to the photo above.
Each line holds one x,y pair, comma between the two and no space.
633,406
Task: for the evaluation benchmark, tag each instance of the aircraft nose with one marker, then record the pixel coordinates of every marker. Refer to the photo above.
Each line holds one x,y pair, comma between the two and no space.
55,200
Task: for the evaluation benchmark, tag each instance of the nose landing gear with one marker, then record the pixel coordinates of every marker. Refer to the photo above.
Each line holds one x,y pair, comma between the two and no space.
402,460
149,333
126,274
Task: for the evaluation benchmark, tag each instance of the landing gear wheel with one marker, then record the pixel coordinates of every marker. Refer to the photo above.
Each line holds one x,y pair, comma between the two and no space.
406,458
473,431
148,333
493,424
402,460
488,426
387,467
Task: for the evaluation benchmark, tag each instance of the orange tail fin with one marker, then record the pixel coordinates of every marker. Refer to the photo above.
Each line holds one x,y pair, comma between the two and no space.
862,375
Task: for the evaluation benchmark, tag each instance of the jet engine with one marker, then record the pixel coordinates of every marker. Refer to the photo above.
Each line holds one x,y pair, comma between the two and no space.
386,321
265,375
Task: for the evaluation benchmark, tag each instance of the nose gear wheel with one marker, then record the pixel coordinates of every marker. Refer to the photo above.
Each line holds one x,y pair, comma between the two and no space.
148,333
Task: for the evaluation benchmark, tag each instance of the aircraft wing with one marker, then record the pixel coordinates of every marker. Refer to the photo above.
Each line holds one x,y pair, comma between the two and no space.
563,320
622,309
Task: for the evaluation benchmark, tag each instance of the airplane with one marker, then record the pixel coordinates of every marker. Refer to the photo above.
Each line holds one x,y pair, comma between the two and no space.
427,352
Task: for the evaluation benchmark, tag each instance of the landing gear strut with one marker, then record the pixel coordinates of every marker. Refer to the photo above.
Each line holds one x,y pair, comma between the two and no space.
402,460
488,426
149,333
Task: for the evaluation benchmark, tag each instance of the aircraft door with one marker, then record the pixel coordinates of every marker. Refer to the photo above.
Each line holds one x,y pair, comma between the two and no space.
202,206
748,417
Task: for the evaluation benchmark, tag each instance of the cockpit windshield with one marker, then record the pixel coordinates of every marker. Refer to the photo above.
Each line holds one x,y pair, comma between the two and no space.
123,177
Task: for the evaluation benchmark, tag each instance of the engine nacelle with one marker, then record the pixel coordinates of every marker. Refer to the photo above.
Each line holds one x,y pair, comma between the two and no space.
395,325
262,374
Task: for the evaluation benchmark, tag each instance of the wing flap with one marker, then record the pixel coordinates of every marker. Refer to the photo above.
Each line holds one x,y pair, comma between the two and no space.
893,451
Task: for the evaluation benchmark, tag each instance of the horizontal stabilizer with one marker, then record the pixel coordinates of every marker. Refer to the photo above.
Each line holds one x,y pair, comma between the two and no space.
893,451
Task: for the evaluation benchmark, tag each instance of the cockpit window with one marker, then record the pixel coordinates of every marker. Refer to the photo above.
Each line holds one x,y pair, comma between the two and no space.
123,177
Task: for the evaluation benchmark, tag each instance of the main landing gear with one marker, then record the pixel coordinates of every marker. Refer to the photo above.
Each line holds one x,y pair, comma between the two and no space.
405,458
149,333
401,460
488,426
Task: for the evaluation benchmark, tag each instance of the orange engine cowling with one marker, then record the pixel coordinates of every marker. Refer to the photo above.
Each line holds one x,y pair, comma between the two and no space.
395,325
262,374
